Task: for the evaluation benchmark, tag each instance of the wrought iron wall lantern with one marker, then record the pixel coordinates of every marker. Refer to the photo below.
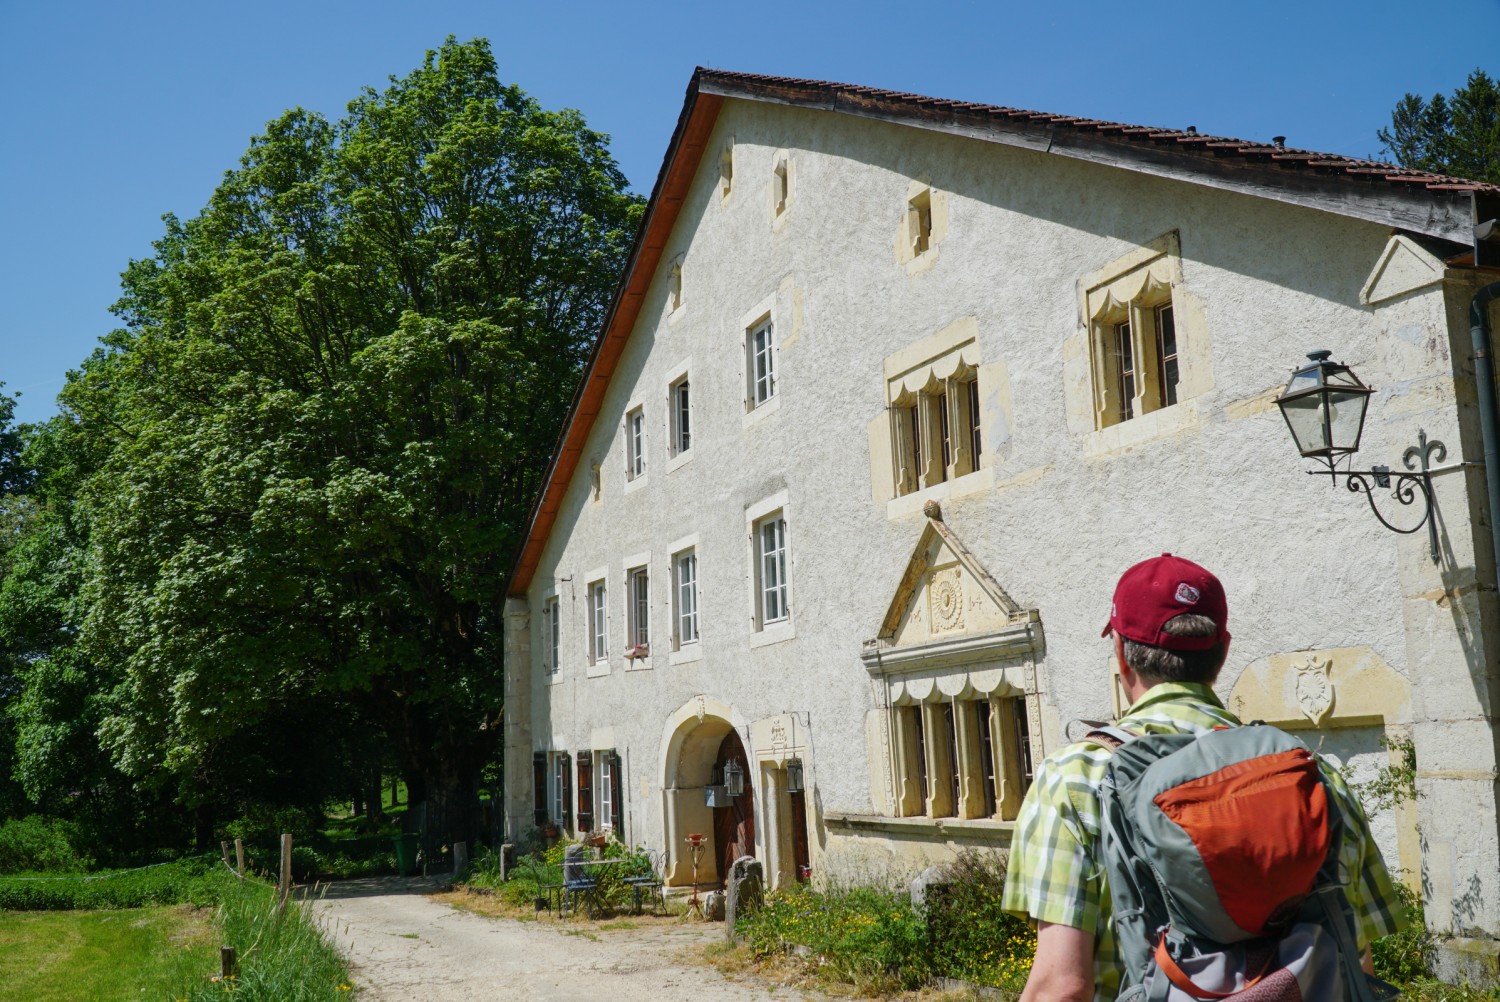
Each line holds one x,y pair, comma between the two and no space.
794,775
1324,406
734,778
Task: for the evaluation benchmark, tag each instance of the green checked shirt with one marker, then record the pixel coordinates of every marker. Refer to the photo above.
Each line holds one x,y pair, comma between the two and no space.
1053,876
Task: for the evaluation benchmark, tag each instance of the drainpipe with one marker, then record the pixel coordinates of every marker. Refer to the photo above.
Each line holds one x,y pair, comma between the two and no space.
1489,421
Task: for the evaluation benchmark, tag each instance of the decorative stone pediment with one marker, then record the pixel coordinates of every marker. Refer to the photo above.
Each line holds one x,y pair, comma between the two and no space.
1403,267
951,626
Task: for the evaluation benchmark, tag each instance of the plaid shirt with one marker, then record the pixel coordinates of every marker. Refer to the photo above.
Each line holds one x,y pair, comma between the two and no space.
1053,876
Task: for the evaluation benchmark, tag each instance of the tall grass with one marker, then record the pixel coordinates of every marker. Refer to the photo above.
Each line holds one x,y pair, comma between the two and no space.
283,955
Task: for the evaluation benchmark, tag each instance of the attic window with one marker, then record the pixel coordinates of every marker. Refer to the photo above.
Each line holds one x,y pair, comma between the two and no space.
780,189
726,170
674,294
596,481
919,221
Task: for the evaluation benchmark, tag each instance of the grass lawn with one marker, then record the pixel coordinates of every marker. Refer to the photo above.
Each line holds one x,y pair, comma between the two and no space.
132,953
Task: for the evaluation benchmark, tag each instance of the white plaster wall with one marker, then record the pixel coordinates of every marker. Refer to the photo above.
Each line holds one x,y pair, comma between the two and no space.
1305,565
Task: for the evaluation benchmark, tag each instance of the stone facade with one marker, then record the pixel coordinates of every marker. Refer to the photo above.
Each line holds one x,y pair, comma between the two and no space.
944,613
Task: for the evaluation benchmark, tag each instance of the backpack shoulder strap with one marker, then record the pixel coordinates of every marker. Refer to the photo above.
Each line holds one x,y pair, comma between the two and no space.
1110,737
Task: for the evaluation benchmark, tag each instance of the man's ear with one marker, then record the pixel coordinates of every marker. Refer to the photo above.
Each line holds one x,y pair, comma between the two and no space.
1127,675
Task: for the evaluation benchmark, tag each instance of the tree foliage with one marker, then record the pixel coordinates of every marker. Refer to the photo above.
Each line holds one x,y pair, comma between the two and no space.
312,448
1457,135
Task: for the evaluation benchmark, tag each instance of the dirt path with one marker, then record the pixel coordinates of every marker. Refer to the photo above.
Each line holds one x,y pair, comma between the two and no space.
406,947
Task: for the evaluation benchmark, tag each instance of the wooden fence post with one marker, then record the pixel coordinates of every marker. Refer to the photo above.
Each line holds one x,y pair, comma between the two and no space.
286,868
239,857
224,851
460,858
227,963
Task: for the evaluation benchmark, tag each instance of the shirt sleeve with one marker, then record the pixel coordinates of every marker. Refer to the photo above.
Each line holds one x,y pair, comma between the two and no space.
1051,876
1372,895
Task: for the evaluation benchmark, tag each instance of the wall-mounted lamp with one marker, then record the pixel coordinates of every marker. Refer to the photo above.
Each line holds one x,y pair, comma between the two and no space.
1324,406
734,778
794,775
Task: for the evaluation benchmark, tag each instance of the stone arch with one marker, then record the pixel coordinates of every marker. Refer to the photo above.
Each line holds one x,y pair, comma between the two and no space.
691,738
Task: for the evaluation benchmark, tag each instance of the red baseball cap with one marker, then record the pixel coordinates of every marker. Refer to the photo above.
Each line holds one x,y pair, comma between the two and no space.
1156,590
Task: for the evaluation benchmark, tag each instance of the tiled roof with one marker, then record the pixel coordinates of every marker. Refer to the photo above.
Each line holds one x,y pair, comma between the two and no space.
854,97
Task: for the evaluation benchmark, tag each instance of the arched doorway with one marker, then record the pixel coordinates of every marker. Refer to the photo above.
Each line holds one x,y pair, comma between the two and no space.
734,825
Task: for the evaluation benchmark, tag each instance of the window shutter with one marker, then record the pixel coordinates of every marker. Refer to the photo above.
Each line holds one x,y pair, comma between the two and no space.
585,791
539,789
616,801
566,821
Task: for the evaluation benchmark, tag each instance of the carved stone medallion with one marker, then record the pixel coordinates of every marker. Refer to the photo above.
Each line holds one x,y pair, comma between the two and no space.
947,595
1315,688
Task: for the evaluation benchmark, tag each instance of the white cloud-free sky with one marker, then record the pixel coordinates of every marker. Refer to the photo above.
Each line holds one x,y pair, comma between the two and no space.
119,113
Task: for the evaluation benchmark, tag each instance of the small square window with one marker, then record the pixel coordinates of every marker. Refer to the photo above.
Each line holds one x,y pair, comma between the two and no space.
596,482
598,622
760,348
685,598
674,291
773,594
919,222
638,618
726,170
781,185
681,404
635,444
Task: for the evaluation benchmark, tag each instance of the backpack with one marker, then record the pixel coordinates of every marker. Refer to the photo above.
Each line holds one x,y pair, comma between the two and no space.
1221,850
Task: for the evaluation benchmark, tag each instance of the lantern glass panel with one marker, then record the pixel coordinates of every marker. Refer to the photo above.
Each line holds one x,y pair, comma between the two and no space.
734,779
1304,416
1346,416
794,775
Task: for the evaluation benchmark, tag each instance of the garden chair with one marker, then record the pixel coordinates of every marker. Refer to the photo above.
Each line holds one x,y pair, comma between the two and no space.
579,888
650,884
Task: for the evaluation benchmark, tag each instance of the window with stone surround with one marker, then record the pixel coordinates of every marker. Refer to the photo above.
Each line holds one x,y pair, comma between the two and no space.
680,401
685,598
551,635
760,357
781,185
638,612
635,444
919,221
598,616
773,590
935,420
961,758
1134,336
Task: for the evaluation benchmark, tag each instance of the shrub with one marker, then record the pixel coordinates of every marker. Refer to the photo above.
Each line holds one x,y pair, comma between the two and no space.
1405,957
969,936
40,844
191,881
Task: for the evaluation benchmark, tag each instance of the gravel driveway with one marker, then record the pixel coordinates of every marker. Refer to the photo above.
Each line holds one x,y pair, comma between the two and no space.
403,946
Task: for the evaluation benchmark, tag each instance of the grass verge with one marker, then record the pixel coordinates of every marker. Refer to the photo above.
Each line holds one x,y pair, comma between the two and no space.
144,953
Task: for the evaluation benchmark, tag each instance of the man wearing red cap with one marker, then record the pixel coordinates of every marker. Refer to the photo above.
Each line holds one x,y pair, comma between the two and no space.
1169,624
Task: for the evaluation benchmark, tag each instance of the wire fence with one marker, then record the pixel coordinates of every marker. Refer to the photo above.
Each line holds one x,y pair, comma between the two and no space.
113,873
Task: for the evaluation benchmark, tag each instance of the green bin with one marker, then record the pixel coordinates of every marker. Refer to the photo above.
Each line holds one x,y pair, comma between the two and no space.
406,853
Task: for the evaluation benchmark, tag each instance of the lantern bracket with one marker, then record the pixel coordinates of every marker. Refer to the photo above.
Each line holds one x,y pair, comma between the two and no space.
1407,487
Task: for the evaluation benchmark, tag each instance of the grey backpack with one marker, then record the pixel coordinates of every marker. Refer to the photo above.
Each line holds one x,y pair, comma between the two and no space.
1221,851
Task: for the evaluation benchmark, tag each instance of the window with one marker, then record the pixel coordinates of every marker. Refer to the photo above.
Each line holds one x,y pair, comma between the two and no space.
772,605
931,432
598,611
919,222
562,798
681,416
964,758
596,481
971,420
638,620
781,189
726,170
760,346
685,598
674,286
606,789
635,444
1133,334
551,635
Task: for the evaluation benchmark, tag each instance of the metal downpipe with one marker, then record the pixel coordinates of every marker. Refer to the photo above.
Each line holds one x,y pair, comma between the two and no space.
1489,421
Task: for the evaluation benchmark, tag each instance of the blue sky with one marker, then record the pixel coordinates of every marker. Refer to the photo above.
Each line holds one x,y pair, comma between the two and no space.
119,113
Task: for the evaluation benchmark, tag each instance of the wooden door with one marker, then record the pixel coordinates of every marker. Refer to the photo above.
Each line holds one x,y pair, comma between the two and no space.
734,826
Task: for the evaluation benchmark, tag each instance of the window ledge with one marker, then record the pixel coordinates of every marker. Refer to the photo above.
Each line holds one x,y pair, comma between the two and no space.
687,654
981,479
763,410
552,677
680,460
1160,423
599,669
673,316
875,823
773,634
631,486
638,664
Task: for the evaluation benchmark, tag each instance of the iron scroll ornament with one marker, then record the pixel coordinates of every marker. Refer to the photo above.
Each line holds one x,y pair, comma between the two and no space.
1406,487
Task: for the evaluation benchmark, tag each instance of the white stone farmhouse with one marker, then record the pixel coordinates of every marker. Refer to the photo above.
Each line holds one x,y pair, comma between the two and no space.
892,391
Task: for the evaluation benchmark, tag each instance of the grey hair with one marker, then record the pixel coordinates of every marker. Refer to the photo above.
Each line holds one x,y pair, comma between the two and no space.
1157,664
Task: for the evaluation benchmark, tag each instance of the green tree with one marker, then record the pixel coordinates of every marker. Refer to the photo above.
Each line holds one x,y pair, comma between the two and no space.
324,422
1457,135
